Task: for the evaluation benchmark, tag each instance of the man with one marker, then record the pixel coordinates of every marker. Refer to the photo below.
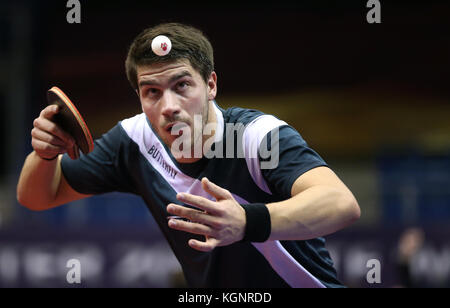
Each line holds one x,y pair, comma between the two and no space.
233,215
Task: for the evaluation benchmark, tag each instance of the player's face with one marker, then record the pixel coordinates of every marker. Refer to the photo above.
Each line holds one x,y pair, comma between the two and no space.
172,94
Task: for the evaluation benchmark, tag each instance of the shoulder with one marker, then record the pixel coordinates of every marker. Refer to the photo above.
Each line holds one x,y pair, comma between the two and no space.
256,124
251,118
122,133
241,115
133,125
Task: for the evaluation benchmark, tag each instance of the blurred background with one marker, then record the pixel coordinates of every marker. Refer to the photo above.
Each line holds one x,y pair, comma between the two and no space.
372,99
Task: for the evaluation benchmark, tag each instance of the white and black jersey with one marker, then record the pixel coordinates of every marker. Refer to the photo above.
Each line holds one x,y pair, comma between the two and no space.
132,158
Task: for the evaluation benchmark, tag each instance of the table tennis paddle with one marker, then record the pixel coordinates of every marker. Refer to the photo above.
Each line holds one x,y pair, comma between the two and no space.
70,120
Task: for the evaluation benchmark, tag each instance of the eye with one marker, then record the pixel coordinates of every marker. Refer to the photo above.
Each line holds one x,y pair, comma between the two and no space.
151,92
182,85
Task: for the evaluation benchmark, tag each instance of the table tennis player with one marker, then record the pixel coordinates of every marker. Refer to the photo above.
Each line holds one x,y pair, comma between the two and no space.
241,198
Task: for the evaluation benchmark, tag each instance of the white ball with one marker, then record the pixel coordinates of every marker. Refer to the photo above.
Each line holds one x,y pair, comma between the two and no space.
161,45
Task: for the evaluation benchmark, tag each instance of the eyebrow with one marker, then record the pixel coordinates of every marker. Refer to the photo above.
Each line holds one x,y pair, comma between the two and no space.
171,80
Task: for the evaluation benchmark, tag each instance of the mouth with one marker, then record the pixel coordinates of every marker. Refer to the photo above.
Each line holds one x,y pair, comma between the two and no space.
168,127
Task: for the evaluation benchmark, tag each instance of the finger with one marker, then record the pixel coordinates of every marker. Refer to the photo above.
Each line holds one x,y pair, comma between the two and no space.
191,227
46,137
192,215
49,111
202,246
44,147
216,191
199,202
53,129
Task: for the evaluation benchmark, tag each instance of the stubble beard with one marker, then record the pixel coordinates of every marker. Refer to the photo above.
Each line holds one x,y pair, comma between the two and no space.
197,138
193,147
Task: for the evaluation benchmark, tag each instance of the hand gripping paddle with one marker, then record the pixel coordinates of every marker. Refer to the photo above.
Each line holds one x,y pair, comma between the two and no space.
70,120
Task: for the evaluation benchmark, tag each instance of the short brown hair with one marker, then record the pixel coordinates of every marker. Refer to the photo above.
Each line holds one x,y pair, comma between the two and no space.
187,43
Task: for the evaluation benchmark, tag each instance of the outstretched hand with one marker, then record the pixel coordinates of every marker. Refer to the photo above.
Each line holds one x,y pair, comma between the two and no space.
222,222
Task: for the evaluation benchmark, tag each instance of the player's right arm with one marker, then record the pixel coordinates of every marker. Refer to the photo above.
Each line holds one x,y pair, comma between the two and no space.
41,183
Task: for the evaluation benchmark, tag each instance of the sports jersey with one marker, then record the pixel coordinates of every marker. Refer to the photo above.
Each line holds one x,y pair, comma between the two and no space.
132,158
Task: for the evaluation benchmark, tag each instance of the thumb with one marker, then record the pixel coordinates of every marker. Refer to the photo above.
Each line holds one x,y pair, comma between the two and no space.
49,111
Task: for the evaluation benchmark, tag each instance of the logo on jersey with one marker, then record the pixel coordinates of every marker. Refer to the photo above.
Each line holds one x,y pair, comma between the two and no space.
156,154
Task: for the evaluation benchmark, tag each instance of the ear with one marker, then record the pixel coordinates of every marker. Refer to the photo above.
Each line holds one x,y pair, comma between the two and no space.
212,86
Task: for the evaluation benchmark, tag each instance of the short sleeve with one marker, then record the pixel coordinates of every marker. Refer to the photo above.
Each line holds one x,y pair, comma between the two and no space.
104,169
295,158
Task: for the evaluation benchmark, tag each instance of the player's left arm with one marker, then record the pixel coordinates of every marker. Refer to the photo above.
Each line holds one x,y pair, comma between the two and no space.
320,204
316,204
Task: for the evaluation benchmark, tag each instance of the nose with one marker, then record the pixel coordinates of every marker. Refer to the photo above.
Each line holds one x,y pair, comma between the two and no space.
170,106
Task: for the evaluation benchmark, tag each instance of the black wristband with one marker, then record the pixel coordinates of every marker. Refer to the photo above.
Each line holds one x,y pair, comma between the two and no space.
258,225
